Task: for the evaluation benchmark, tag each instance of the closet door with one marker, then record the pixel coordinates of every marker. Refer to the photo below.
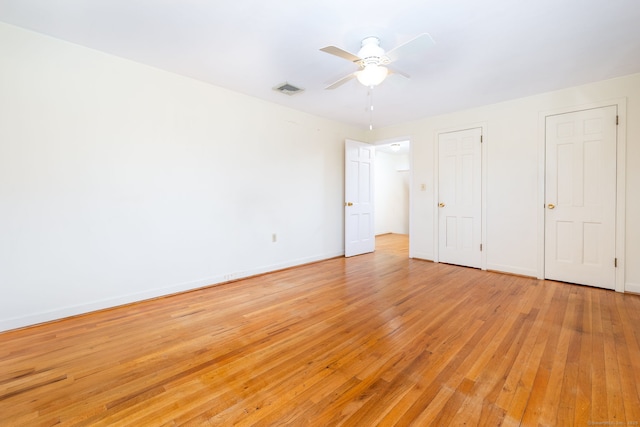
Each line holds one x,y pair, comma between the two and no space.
580,194
460,197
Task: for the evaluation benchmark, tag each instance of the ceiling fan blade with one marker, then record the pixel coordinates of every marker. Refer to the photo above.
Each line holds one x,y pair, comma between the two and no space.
412,47
393,70
333,50
341,81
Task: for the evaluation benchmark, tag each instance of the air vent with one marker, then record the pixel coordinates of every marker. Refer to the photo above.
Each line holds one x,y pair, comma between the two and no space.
288,89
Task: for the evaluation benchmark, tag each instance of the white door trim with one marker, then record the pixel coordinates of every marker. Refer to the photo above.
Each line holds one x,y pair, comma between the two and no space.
483,185
621,104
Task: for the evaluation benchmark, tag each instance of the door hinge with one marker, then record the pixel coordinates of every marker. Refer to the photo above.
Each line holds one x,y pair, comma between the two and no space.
617,120
481,139
480,247
615,262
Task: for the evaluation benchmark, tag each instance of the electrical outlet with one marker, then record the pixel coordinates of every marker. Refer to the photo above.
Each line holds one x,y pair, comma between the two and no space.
274,237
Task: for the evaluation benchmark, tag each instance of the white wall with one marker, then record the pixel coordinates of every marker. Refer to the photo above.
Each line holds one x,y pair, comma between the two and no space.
513,191
120,182
392,193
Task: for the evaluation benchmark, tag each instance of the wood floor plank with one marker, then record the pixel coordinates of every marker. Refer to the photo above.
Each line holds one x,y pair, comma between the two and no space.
377,339
615,403
571,368
582,408
627,345
599,402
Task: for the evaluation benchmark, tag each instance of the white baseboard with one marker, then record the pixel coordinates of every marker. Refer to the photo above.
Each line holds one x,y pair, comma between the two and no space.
513,270
62,312
74,310
632,287
421,255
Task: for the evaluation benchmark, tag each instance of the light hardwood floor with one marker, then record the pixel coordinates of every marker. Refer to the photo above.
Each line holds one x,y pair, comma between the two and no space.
377,339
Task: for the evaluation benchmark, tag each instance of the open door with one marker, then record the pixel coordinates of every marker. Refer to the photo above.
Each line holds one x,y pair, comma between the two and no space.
359,225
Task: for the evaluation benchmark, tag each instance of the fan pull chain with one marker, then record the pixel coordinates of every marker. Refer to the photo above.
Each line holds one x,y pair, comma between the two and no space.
370,107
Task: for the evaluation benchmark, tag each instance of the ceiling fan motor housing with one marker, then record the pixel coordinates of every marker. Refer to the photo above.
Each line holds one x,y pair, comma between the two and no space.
371,53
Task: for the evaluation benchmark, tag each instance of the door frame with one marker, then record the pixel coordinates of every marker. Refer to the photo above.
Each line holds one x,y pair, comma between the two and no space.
621,141
483,189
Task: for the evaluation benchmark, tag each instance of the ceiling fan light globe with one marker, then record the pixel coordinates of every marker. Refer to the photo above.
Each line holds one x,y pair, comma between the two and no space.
372,75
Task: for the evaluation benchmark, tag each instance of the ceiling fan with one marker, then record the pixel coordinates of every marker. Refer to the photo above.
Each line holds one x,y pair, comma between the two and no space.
373,61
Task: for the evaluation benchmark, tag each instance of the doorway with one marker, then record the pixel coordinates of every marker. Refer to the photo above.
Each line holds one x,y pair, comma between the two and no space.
392,185
377,198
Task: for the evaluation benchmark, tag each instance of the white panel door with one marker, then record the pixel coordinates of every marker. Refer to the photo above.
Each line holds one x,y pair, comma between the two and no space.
359,227
580,194
460,197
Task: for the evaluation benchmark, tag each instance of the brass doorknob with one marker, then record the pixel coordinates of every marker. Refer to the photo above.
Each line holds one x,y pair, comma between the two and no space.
551,206
441,204
348,204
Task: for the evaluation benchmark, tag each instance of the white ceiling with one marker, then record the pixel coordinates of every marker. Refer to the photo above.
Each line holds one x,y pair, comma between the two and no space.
486,50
